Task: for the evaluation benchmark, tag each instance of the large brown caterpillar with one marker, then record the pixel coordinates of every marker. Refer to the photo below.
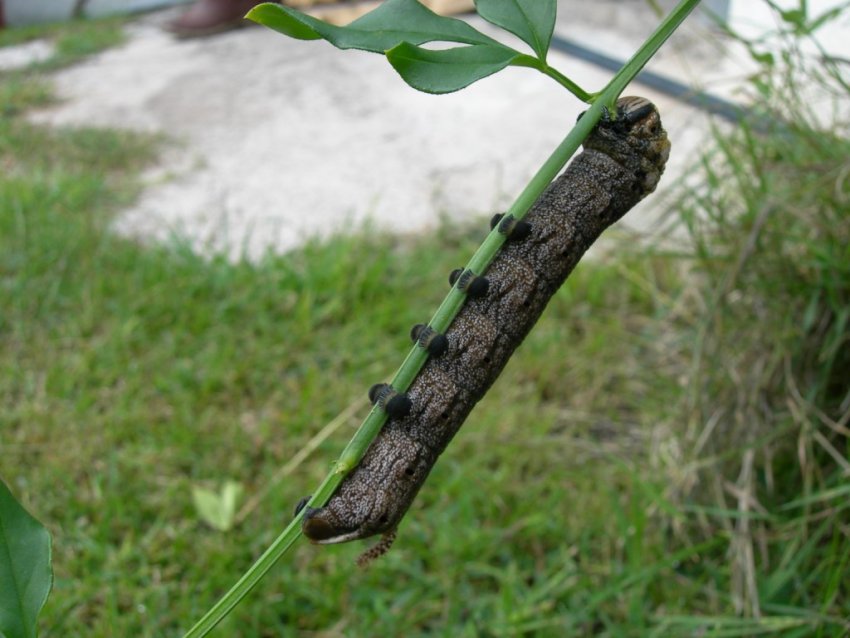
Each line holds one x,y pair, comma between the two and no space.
622,161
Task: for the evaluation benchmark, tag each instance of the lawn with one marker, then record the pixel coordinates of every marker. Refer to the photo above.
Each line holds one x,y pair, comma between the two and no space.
666,454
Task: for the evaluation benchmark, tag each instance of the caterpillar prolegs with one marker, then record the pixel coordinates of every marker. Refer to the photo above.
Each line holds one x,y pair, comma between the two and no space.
622,161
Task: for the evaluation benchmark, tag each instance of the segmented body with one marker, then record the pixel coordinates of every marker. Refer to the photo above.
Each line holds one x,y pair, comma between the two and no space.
621,163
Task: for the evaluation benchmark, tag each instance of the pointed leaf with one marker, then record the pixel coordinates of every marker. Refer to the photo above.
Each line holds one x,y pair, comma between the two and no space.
218,509
284,20
393,22
207,506
447,70
25,573
533,21
230,495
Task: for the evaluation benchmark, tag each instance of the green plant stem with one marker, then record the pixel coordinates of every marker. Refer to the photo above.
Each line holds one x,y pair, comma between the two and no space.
648,49
445,314
532,62
568,84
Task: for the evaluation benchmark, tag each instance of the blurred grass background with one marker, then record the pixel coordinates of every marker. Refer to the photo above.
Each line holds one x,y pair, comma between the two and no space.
666,455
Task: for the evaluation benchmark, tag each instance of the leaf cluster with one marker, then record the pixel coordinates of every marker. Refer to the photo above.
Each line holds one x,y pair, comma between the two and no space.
400,28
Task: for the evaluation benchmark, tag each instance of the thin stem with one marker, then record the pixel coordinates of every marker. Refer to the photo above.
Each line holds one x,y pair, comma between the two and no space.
567,83
644,54
448,309
542,66
249,579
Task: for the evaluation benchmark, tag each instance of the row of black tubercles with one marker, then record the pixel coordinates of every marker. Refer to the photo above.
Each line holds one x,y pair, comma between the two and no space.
397,404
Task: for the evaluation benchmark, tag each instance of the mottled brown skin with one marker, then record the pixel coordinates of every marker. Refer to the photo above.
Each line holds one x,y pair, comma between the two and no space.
622,161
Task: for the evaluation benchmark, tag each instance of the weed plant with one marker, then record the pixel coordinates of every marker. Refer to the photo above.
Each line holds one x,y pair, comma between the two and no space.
757,448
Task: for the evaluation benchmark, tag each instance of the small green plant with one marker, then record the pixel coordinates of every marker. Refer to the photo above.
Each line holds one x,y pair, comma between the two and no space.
218,508
397,29
25,572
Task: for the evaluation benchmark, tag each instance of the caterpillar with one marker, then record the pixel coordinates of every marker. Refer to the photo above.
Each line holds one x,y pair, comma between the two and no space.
622,161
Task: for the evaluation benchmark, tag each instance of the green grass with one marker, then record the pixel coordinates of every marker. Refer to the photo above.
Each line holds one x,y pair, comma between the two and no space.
658,459
73,41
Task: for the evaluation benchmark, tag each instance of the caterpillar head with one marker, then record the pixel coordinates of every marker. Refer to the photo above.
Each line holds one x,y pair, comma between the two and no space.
634,137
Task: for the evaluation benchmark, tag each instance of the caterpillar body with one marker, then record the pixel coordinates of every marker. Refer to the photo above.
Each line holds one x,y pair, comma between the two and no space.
622,161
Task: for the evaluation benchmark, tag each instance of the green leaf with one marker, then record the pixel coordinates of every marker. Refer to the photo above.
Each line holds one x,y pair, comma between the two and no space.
25,573
533,21
283,20
393,22
765,58
827,16
218,509
447,70
794,17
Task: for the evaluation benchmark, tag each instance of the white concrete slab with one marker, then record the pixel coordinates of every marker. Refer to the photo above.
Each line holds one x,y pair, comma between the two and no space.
20,56
277,140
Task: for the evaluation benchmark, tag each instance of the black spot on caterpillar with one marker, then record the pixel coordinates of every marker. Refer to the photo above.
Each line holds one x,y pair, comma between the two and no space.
468,282
397,405
515,229
622,161
435,343
300,505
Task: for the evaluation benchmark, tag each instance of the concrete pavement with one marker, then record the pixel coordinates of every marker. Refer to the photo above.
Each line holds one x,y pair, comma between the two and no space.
276,140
